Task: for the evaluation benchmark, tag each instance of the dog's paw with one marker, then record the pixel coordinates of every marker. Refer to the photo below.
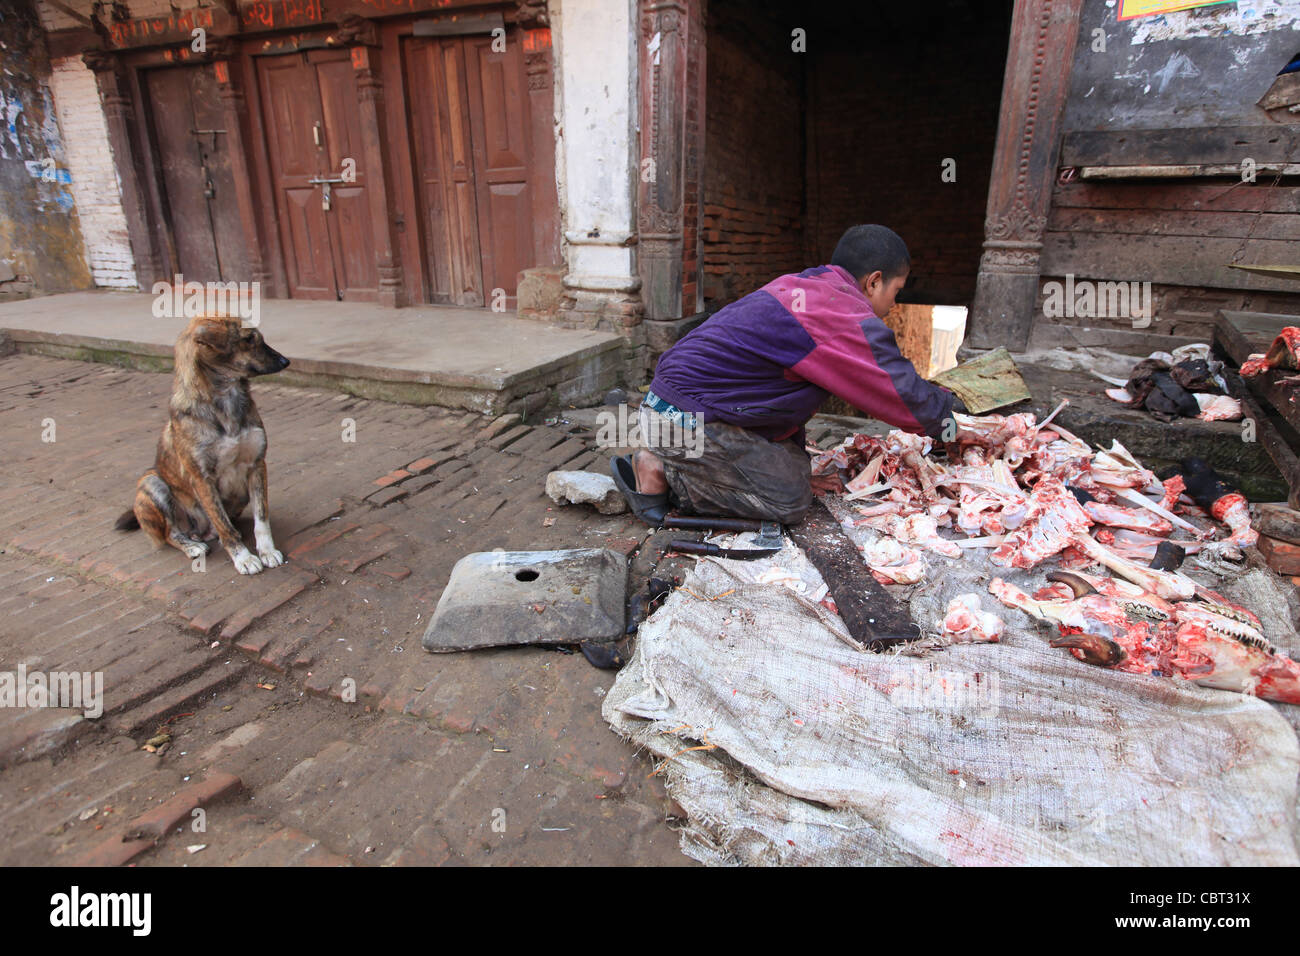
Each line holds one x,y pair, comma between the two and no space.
246,562
271,558
196,549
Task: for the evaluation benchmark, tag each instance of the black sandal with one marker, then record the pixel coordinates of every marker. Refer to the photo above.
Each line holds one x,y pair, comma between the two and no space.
649,508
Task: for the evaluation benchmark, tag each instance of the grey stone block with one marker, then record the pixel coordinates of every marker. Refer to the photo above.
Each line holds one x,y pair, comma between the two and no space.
499,598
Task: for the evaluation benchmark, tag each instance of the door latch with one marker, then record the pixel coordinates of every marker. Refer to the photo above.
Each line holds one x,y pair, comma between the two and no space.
326,193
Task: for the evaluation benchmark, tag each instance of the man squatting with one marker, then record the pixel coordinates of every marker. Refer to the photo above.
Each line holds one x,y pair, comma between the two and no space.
724,418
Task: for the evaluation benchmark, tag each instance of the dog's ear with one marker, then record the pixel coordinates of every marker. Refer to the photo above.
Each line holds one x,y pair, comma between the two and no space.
214,334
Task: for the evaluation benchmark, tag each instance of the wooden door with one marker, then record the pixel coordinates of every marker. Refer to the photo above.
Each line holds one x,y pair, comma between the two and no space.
193,149
311,110
498,96
470,129
444,170
352,235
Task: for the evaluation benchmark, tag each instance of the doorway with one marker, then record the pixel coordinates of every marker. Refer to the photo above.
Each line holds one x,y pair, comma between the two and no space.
822,117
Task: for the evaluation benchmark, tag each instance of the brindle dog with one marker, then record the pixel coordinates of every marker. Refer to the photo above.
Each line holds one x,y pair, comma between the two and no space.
212,455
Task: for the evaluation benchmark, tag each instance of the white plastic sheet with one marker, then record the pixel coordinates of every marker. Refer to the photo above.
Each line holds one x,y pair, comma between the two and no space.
1010,753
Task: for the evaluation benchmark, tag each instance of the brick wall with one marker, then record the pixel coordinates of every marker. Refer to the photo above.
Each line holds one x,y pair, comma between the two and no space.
94,179
799,146
884,117
753,153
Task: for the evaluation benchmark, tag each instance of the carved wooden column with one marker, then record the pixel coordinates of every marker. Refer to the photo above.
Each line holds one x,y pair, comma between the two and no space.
663,50
370,93
234,109
119,117
539,67
1034,90
693,162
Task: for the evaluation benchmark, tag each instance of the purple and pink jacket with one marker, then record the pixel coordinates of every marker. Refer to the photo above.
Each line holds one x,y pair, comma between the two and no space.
767,361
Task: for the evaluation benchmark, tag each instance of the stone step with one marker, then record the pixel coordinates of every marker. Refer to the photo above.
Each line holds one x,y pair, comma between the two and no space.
471,359
149,715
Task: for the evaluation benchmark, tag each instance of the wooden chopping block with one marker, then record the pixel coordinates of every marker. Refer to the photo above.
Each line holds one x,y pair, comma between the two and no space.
1278,521
872,615
1281,556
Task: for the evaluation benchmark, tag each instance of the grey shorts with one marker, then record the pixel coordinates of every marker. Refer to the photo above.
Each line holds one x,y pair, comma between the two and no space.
717,469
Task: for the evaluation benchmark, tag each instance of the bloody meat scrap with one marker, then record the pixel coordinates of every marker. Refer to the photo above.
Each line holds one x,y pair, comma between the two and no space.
1034,492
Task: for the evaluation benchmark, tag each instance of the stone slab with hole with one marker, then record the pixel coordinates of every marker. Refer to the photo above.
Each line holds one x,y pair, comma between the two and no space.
499,598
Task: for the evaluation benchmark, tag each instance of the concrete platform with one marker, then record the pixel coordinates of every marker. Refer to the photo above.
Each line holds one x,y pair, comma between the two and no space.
1096,419
429,355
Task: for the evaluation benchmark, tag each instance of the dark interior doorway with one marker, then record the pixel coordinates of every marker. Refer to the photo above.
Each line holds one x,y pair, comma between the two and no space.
799,146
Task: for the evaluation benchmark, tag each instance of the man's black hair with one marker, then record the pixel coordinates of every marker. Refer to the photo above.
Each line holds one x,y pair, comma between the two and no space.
863,250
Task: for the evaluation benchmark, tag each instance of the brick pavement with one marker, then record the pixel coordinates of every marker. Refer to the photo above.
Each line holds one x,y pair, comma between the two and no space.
254,676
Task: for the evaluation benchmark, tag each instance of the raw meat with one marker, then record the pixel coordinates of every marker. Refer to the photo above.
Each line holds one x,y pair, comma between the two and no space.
1053,520
965,623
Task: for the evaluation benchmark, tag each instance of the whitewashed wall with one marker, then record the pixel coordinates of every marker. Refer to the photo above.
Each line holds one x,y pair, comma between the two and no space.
596,108
94,179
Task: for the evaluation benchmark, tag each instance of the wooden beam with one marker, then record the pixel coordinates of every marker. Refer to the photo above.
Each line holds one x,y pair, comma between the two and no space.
1168,260
1184,196
1196,145
1186,172
72,42
872,615
76,15
459,25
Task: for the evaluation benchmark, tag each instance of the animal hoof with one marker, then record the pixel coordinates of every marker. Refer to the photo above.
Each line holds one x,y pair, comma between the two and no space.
247,563
1093,649
271,558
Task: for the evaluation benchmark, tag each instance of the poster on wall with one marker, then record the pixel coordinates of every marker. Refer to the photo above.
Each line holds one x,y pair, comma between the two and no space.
1132,9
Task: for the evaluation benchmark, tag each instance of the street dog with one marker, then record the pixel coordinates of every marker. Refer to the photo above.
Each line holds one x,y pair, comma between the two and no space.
212,455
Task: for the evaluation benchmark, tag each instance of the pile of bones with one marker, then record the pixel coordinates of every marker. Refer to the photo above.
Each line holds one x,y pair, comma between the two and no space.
1032,491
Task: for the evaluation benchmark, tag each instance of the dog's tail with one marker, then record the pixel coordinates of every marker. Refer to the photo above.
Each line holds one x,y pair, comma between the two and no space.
127,522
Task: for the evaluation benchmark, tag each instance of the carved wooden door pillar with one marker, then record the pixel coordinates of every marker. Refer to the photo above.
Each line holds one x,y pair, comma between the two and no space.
1034,91
671,69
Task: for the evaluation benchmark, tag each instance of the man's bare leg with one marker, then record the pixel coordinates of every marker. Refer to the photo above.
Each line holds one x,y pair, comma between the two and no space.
650,479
